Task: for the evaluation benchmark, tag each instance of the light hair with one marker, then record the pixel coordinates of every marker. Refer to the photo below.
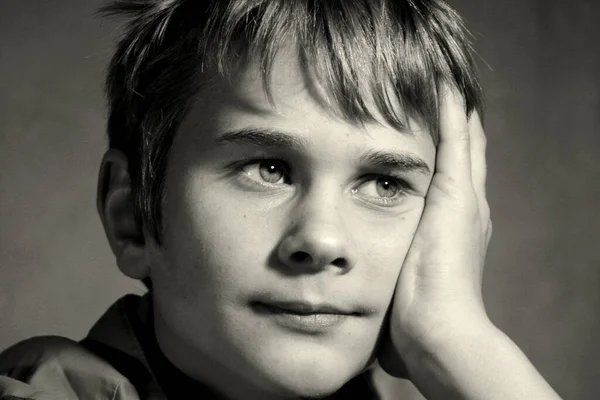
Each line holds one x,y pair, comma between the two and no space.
395,54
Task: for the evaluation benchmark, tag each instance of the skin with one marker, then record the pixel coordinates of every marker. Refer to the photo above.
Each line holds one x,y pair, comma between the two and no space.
230,237
313,227
440,335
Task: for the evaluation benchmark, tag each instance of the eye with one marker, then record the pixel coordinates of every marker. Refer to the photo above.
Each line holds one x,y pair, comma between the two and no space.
386,187
382,189
268,171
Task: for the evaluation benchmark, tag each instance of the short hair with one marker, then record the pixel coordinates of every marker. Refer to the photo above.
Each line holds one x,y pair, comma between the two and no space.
356,50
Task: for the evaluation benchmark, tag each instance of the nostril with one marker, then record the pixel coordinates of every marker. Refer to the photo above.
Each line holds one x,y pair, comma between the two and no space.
300,257
340,262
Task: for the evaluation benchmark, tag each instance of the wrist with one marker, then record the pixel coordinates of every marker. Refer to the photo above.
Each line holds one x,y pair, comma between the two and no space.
441,335
432,329
474,361
436,360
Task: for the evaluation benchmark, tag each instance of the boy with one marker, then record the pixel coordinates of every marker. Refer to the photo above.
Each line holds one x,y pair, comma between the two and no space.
301,186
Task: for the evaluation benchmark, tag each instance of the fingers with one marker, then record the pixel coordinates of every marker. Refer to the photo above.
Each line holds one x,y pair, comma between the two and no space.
479,165
461,167
453,162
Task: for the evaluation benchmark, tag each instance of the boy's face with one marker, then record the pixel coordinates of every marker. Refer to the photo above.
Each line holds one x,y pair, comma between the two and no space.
269,214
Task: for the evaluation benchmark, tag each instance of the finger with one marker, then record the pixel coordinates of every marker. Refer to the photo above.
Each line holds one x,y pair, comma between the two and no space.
452,178
454,150
479,165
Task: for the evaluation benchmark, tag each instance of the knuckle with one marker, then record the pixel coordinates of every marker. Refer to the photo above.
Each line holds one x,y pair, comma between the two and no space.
484,142
485,212
458,197
469,208
463,135
451,189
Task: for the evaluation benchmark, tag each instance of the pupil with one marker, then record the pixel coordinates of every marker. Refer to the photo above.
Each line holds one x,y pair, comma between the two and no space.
270,171
386,188
272,168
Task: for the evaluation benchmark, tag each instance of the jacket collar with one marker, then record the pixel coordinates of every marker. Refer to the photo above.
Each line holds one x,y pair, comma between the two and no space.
115,328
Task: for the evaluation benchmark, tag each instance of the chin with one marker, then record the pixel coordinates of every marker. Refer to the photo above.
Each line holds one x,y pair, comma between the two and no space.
316,378
310,386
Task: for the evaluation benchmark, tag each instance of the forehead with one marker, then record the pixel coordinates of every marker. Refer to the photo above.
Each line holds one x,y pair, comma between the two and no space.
298,108
290,88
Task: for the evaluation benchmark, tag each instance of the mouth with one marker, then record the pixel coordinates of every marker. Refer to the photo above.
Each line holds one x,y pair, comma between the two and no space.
303,317
302,308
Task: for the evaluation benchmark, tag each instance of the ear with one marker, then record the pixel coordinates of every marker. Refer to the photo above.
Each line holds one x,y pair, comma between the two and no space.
115,206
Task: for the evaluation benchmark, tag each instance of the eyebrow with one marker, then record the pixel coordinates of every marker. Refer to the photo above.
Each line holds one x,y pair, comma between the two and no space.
399,161
274,139
264,138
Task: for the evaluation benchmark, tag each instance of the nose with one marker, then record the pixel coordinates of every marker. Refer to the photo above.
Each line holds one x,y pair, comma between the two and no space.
316,241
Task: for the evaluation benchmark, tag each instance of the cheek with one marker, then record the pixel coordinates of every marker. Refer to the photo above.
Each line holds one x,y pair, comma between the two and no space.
210,236
383,248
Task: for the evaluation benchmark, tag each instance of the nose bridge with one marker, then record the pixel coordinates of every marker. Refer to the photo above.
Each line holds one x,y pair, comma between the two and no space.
317,237
320,213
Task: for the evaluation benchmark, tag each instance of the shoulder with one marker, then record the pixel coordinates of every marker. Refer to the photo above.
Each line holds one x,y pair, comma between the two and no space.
49,367
40,348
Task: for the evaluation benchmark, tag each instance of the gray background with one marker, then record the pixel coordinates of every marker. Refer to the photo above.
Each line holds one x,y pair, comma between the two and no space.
542,282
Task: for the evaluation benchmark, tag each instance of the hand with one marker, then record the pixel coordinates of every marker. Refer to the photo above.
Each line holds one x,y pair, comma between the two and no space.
439,288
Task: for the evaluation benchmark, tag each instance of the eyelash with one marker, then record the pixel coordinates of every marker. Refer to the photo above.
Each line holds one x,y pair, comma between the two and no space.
238,167
404,187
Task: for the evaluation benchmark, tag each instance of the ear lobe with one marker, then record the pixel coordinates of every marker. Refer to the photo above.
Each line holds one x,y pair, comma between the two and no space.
115,206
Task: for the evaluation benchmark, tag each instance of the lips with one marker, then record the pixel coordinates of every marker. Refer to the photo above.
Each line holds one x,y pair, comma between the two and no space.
301,317
302,308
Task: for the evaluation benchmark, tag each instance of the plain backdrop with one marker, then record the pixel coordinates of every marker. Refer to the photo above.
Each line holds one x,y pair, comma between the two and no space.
542,77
